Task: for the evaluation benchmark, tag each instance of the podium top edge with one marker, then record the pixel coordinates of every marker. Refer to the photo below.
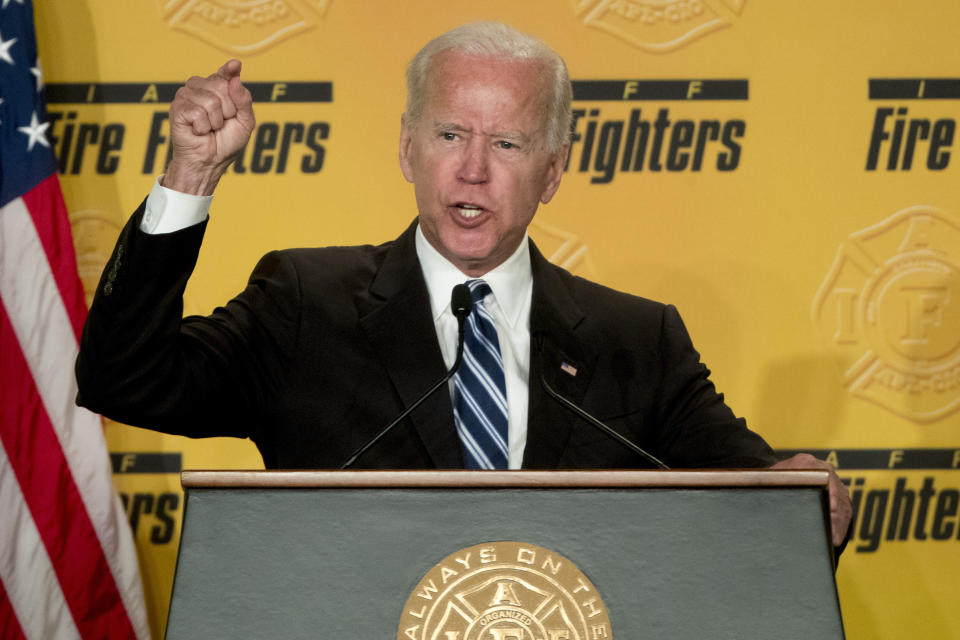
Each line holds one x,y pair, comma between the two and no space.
461,479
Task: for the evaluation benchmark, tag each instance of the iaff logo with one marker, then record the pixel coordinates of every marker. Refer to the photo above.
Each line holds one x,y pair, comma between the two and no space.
890,310
563,248
94,233
658,25
243,26
504,591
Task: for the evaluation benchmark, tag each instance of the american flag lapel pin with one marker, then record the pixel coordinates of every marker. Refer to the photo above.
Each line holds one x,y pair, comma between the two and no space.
569,368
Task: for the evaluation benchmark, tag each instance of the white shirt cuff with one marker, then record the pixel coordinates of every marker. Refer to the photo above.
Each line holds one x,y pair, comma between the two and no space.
167,210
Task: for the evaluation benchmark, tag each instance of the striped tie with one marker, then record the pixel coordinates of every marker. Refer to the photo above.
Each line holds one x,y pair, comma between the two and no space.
479,390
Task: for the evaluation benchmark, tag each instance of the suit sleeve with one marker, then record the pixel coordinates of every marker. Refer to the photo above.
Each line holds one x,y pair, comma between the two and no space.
698,429
142,364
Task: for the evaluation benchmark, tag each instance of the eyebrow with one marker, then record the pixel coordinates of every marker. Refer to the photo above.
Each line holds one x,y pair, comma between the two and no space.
506,135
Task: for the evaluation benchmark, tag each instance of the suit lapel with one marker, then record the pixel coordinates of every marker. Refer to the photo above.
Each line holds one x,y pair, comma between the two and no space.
395,315
566,361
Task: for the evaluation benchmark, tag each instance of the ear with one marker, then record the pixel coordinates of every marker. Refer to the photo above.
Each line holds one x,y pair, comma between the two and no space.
406,143
555,173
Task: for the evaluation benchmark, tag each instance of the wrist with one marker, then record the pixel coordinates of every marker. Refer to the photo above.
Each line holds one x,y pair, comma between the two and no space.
191,180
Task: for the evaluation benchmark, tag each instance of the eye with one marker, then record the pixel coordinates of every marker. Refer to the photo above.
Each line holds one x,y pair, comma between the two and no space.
505,144
448,135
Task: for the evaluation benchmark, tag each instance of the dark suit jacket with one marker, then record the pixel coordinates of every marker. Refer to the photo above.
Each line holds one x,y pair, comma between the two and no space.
326,346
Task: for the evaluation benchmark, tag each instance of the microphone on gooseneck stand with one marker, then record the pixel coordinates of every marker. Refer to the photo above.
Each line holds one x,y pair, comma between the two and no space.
461,303
539,336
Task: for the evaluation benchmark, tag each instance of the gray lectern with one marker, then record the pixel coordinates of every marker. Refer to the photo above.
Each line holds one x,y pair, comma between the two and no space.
516,555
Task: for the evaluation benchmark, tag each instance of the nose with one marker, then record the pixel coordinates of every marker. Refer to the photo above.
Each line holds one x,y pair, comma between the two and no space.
474,162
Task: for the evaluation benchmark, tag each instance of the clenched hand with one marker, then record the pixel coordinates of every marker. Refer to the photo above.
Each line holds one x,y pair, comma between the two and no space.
211,120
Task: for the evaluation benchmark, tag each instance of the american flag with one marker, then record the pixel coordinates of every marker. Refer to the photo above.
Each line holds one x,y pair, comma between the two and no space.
569,368
68,566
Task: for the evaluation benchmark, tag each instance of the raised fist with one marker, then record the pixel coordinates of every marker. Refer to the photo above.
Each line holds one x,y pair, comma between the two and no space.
211,120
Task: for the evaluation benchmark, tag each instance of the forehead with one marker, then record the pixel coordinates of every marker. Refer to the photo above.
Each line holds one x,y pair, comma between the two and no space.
464,80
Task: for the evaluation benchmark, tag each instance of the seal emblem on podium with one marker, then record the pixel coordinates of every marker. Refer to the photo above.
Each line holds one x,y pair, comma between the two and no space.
505,590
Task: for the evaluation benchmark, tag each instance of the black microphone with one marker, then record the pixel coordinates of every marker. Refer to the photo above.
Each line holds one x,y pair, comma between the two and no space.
586,417
461,303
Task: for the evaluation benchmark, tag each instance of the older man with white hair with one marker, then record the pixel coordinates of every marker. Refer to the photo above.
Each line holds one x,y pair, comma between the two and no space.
327,345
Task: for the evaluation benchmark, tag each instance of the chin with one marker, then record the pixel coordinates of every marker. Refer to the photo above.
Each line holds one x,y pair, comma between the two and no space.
467,250
470,262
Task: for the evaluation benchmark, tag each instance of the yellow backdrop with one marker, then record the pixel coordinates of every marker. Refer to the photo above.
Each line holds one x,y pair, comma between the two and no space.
792,189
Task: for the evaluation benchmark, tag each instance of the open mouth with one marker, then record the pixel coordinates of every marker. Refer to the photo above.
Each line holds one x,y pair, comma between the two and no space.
468,211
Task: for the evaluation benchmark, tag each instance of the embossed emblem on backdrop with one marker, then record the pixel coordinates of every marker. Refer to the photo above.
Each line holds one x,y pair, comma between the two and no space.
243,26
889,309
94,233
658,25
504,591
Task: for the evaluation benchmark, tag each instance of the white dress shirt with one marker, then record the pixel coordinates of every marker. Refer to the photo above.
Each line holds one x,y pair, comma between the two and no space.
167,210
511,289
511,286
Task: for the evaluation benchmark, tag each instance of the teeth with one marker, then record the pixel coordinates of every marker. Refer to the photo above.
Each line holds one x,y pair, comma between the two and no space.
469,211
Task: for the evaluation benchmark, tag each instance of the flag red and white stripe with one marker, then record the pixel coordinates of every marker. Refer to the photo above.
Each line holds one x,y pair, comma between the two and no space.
67,560
68,566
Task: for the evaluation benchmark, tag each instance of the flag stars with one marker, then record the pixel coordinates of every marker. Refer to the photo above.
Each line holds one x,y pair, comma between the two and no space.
35,132
6,2
38,72
5,48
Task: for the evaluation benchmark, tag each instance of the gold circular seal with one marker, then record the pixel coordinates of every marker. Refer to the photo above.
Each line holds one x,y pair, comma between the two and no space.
504,591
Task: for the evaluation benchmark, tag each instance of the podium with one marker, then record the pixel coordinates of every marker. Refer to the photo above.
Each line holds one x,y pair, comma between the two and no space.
511,555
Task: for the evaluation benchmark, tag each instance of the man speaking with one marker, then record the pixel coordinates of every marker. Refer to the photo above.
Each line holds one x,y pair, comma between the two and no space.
326,346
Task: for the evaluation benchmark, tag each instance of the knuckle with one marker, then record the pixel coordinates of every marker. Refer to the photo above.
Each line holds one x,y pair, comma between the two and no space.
216,83
193,111
182,96
208,101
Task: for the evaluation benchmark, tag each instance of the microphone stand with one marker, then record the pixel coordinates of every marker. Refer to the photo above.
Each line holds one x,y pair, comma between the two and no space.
461,304
586,417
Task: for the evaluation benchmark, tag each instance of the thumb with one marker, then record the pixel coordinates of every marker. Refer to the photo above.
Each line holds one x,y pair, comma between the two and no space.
230,69
242,99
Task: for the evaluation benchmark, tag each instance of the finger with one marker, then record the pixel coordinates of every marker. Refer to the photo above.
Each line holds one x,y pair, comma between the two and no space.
198,120
800,461
242,100
841,509
229,69
214,106
230,73
193,105
840,524
201,88
836,520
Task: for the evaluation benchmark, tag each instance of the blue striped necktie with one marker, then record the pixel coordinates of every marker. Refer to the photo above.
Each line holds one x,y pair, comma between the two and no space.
479,390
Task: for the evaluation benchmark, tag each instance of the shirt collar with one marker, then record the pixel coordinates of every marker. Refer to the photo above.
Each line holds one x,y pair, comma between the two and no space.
510,282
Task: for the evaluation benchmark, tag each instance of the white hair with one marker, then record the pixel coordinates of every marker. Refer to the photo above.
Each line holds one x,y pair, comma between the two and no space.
497,41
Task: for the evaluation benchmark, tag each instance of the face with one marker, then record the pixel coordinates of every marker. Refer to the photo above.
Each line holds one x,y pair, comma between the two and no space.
478,158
